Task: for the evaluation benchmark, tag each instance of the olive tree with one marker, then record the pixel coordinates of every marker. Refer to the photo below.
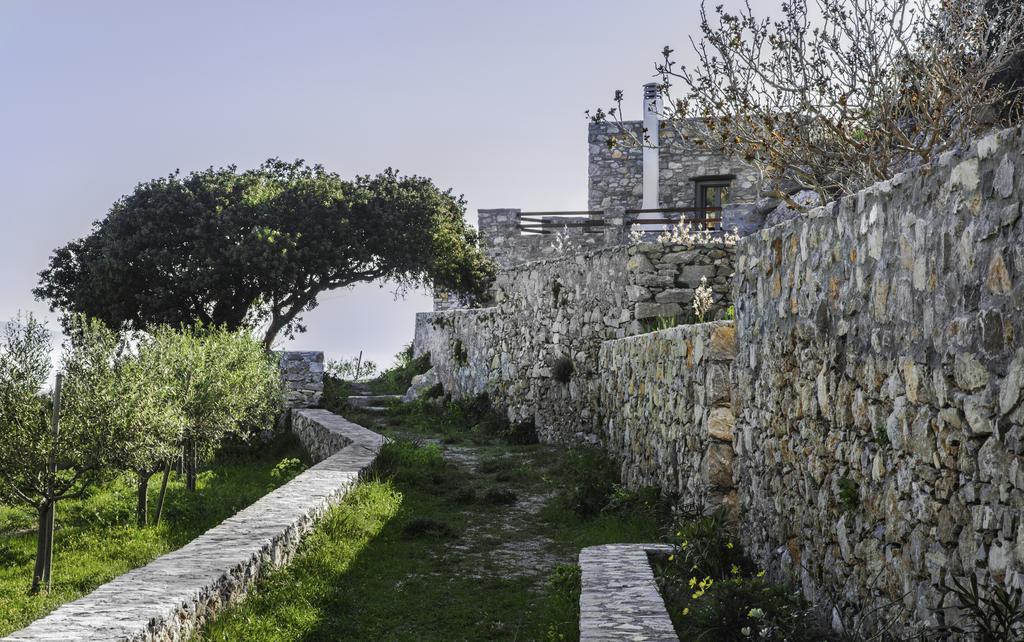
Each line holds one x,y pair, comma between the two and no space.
53,447
838,95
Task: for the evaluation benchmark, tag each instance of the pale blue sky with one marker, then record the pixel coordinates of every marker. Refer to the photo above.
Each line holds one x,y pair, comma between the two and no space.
484,97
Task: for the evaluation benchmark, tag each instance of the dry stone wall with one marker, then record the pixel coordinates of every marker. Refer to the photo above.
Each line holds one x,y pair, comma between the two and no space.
880,364
668,407
302,375
564,309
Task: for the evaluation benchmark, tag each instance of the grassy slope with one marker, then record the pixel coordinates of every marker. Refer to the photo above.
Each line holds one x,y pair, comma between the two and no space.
97,540
428,554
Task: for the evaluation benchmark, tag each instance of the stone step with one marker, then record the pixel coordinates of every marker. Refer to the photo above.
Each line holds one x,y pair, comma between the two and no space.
367,401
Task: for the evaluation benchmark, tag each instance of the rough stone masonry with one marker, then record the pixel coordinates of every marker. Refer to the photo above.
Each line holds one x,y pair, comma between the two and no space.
877,418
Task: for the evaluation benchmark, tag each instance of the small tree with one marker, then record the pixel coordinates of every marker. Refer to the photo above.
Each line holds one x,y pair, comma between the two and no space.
54,447
837,101
150,415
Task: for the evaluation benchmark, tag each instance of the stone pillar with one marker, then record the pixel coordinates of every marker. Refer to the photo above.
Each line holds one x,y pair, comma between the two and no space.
302,376
615,230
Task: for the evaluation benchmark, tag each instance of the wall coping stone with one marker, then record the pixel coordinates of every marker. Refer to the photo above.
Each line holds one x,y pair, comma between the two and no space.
619,599
172,596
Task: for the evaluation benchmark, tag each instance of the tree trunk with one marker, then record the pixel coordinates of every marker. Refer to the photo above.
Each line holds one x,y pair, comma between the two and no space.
42,540
163,493
142,503
50,529
190,466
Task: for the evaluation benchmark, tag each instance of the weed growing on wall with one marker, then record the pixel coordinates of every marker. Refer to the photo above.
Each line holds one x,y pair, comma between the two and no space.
562,369
849,493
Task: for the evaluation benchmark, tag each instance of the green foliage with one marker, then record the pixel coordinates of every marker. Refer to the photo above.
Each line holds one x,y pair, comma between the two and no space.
730,313
704,547
97,538
562,369
459,353
257,247
352,369
664,323
397,379
991,617
882,436
286,470
467,419
593,478
335,395
745,609
713,592
90,443
849,493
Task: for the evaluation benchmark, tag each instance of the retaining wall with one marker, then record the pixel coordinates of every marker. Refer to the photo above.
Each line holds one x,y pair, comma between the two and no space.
667,402
172,596
565,308
302,375
879,373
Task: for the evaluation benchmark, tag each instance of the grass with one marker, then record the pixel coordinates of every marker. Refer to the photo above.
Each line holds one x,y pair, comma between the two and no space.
479,546
97,539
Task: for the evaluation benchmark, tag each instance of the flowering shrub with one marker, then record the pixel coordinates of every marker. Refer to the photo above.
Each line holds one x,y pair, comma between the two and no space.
702,299
714,592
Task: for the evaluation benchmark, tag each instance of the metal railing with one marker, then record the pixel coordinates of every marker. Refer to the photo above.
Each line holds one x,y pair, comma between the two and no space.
593,221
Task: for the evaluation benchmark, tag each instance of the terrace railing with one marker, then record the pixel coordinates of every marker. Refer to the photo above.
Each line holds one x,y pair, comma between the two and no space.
594,221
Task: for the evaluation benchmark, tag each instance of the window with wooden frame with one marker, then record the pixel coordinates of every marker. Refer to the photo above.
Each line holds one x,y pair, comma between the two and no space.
711,191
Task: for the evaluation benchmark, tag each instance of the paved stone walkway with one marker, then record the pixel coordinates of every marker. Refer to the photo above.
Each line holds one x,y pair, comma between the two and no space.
620,600
173,595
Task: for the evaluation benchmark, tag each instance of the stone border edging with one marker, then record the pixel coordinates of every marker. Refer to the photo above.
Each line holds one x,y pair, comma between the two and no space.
172,596
619,598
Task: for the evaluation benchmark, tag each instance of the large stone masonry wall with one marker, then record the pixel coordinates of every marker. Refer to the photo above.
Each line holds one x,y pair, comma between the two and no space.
616,173
880,365
565,308
667,401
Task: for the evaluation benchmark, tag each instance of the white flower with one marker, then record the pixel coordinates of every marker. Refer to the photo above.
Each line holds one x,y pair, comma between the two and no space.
702,299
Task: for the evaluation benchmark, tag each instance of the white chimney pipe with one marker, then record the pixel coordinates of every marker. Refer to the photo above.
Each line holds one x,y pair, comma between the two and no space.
652,107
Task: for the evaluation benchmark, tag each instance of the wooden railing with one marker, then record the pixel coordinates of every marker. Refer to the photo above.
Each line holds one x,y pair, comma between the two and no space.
593,221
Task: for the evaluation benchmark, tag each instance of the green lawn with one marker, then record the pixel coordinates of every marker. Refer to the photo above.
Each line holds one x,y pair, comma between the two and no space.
97,540
479,545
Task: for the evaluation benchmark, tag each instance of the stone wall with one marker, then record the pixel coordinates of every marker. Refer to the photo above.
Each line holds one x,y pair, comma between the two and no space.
880,364
667,402
302,374
565,308
616,173
170,598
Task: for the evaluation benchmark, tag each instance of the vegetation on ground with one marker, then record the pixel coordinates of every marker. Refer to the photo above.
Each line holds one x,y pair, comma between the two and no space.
279,235
713,592
472,541
121,403
97,537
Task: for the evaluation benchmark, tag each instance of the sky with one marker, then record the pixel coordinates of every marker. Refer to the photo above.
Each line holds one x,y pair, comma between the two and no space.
484,97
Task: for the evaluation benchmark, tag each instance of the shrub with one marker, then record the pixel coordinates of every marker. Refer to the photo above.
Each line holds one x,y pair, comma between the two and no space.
398,378
562,369
999,615
705,547
459,353
593,478
849,493
744,609
286,470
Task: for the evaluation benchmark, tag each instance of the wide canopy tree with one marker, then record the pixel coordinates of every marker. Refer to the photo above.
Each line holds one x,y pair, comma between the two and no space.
256,248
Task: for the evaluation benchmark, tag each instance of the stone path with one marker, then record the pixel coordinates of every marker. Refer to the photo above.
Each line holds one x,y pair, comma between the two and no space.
364,399
172,596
